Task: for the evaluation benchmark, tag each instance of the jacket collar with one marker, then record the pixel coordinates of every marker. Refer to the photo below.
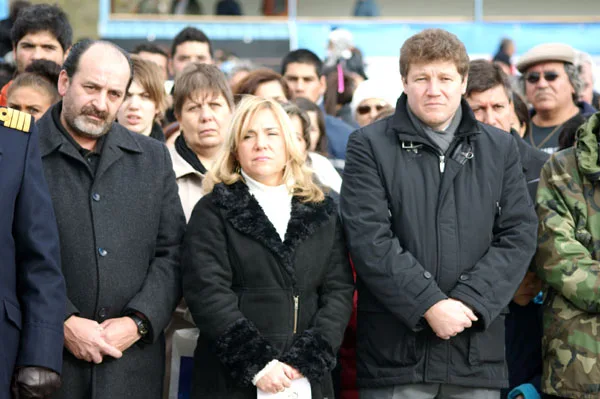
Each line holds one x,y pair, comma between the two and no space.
245,214
402,124
118,141
52,139
586,148
180,166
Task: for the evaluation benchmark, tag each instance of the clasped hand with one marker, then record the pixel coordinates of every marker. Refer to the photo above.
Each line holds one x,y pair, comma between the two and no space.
449,317
90,341
278,378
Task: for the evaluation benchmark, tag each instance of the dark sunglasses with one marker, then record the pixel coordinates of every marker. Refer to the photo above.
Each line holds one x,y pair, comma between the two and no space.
534,77
365,109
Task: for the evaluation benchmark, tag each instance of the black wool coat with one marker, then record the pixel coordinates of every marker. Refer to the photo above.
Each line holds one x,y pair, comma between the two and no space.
120,236
241,281
424,226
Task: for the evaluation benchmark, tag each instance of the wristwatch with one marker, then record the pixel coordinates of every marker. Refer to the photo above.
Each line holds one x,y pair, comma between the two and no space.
141,324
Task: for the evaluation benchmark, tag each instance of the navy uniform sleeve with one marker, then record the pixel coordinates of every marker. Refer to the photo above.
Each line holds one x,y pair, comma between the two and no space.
41,286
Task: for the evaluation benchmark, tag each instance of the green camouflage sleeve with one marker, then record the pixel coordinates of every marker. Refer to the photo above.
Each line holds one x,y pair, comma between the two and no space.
563,259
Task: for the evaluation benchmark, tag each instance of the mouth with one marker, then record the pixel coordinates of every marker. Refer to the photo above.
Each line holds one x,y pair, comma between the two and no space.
207,132
133,119
261,159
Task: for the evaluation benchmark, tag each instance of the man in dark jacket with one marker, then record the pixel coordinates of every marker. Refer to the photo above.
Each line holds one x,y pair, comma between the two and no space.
120,223
303,72
489,95
441,230
32,289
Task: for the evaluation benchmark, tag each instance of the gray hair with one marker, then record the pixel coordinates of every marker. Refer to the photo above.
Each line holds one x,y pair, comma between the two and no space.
572,72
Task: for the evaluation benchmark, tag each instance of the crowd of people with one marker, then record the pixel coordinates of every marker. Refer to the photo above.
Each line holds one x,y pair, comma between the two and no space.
429,235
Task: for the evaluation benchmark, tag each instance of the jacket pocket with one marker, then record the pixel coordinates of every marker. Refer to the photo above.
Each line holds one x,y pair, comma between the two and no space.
13,313
384,342
488,346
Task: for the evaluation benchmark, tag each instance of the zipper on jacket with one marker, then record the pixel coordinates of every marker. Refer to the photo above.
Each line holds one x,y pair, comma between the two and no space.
296,306
442,163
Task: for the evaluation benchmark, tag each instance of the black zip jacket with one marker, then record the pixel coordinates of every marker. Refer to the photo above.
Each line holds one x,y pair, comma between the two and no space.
424,226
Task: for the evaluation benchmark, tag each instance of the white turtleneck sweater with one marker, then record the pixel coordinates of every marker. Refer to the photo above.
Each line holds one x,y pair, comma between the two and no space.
275,201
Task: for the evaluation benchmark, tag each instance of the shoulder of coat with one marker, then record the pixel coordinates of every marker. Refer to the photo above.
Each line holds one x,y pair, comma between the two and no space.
15,120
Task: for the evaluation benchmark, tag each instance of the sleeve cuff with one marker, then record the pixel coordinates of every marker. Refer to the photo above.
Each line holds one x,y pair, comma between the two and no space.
244,351
311,355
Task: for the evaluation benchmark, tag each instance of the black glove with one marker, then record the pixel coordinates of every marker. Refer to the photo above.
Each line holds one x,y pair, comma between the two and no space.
34,383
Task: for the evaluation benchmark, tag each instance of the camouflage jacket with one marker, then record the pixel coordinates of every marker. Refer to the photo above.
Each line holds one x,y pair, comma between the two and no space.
568,261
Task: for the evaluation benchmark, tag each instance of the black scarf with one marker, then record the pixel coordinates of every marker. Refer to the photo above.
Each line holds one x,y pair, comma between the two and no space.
188,155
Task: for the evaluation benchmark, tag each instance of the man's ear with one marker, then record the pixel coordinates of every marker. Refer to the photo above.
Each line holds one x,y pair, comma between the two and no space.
463,88
63,83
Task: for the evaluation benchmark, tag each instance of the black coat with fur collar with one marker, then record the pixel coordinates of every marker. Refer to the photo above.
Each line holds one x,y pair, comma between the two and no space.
240,280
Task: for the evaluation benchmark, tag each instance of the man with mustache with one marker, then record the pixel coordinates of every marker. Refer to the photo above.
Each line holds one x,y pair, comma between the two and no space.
552,85
120,224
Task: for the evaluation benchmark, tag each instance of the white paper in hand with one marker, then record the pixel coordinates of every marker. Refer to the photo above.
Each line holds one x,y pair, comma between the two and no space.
300,389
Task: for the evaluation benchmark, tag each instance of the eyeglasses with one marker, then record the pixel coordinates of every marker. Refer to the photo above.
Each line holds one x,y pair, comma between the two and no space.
534,77
366,109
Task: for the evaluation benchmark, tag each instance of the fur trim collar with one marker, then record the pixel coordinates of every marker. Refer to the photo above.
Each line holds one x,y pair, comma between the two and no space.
245,214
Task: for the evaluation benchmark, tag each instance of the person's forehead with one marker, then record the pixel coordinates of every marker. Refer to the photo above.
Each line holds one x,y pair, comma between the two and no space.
104,67
435,67
136,88
555,66
40,37
494,95
192,48
301,70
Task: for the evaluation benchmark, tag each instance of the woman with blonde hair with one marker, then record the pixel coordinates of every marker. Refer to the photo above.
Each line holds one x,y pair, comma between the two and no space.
265,267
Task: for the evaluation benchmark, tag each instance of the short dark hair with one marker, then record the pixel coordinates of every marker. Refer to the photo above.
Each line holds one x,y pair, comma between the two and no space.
485,75
148,47
302,56
40,18
190,34
71,64
41,75
45,68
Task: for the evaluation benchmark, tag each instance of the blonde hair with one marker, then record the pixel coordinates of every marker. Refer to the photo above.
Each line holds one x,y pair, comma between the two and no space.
226,168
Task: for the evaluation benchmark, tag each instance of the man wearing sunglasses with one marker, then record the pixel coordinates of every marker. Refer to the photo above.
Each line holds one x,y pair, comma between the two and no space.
552,85
441,231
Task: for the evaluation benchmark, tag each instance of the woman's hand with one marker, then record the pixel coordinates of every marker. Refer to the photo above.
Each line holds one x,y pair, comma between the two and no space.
291,372
276,380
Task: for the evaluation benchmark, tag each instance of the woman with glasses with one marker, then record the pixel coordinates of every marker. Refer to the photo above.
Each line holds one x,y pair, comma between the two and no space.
371,97
265,267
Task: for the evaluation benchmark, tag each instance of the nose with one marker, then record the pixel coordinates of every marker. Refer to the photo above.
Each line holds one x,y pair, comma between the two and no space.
134,102
261,141
37,53
299,85
100,101
542,82
488,116
206,113
433,88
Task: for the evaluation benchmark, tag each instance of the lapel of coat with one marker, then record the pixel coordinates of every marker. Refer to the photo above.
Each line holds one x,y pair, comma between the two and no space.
245,215
118,141
52,139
